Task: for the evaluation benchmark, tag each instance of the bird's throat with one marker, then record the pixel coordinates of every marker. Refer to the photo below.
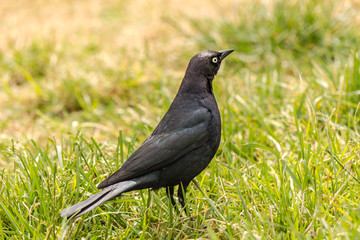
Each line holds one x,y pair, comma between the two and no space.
209,86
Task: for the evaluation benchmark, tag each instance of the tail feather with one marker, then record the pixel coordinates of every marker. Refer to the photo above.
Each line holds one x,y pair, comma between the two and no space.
94,201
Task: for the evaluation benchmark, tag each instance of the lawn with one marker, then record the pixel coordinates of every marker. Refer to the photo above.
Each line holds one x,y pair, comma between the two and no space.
83,83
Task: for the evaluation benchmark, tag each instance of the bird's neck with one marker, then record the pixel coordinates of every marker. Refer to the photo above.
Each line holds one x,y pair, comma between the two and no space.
196,85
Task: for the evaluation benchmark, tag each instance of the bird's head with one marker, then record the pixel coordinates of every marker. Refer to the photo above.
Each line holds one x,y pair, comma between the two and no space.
201,71
207,63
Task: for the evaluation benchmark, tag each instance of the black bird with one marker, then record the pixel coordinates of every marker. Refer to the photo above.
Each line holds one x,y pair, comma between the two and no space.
179,148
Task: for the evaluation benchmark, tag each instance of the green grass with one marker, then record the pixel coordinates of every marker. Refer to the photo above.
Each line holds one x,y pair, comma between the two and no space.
288,163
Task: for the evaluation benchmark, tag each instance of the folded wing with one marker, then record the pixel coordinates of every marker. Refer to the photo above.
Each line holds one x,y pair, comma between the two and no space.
162,149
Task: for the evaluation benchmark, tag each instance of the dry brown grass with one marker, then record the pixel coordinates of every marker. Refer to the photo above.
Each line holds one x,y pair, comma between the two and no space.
143,22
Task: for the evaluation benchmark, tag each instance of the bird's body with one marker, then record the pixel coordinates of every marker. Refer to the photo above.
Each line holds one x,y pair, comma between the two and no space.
180,147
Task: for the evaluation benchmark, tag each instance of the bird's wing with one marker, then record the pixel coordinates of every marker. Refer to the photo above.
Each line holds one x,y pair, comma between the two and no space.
162,149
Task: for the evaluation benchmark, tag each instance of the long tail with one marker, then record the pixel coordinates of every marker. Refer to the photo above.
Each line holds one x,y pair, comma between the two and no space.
108,193
94,201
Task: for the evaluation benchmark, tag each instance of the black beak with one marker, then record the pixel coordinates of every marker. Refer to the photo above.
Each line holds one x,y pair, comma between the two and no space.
224,53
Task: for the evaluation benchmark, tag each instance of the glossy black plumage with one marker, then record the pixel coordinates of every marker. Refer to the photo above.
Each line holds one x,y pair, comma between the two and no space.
180,147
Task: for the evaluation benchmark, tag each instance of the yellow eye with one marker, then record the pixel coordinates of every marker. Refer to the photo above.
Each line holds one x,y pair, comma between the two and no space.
214,60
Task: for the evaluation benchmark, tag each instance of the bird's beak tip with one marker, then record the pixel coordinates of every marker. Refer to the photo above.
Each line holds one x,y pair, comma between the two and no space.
225,53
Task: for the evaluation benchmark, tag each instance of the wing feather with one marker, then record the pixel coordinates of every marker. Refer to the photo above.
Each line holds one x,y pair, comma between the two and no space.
162,149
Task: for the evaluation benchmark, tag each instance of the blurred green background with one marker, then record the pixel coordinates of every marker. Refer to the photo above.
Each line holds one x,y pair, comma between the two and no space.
84,82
